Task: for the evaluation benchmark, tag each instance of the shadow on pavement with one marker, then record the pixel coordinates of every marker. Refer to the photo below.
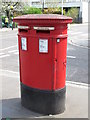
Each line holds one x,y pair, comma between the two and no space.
12,108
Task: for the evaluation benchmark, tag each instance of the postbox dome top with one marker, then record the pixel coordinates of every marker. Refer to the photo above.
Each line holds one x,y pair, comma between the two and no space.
43,18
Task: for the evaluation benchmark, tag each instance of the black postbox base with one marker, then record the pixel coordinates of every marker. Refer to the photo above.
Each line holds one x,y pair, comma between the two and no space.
41,101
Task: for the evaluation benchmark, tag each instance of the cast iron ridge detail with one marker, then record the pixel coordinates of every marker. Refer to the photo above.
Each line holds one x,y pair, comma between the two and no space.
50,36
43,21
43,18
46,91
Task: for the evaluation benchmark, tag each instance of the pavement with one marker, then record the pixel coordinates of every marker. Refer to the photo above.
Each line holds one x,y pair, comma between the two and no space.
76,40
7,29
76,100
10,102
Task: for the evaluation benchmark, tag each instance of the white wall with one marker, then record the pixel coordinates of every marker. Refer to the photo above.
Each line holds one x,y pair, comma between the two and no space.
84,12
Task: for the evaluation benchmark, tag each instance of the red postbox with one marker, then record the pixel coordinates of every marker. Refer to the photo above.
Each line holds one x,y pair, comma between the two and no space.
42,53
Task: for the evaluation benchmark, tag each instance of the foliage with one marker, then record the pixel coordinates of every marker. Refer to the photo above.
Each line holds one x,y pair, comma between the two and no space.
31,10
73,12
17,6
12,9
54,11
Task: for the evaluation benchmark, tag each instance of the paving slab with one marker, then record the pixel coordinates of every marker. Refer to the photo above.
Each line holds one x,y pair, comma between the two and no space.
76,101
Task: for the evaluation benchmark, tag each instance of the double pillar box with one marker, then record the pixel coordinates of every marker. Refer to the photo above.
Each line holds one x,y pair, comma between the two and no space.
42,43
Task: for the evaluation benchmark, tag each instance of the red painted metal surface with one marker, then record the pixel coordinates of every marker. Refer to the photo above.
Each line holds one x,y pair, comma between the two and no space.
44,71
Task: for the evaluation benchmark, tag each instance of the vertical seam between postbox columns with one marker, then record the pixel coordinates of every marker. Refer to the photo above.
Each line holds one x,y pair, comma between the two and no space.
19,43
54,64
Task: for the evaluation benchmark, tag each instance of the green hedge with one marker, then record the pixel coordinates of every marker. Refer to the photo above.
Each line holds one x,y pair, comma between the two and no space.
31,10
73,12
54,11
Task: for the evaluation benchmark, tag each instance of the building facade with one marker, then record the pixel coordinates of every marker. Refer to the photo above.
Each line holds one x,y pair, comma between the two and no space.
81,4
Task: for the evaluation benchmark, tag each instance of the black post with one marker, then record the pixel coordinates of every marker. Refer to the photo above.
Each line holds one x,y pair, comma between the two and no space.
0,22
42,6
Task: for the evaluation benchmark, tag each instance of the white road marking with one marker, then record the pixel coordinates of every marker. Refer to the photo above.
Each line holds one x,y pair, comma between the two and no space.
12,51
8,37
11,34
70,31
76,25
74,33
1,53
8,47
69,48
16,53
9,73
77,84
85,34
73,57
4,56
